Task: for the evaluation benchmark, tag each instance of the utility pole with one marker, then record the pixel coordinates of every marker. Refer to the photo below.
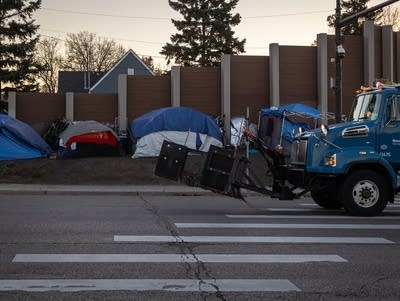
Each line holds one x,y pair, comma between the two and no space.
340,52
338,65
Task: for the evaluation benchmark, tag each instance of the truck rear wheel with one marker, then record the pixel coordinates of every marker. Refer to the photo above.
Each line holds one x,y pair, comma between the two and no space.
365,193
326,199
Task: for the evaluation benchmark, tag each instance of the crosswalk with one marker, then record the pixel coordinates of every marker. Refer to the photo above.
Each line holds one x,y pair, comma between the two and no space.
176,285
233,282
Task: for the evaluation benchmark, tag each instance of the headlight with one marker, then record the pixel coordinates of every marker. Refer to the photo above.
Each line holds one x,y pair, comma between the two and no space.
324,129
330,160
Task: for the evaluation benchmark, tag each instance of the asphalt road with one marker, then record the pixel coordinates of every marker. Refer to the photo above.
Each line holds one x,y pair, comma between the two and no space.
113,247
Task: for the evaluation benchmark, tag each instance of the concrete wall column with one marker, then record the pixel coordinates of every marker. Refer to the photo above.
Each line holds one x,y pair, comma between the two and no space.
274,74
226,94
322,72
387,52
69,106
122,103
175,86
369,53
12,104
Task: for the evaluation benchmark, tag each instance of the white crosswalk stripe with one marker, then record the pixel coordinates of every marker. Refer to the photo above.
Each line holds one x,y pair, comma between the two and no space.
211,258
287,226
252,239
323,217
175,285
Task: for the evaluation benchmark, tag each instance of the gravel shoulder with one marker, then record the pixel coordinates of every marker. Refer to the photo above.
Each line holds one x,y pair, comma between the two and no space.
95,171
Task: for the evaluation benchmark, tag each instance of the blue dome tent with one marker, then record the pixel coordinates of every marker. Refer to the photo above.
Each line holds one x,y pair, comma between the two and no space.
19,141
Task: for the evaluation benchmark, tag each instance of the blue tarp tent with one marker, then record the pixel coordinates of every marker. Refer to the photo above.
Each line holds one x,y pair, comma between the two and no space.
174,119
19,141
181,125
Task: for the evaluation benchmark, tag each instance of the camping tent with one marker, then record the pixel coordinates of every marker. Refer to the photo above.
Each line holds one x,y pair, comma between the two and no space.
87,138
19,141
180,125
280,125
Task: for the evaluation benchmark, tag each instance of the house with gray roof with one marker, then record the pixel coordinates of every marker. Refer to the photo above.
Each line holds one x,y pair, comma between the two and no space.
102,82
130,64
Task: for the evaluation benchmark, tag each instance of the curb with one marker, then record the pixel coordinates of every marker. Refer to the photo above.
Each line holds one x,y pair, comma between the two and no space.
95,190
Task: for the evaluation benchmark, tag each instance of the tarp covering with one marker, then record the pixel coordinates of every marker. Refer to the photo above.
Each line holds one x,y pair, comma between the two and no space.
175,119
87,138
293,108
19,141
277,128
180,125
150,145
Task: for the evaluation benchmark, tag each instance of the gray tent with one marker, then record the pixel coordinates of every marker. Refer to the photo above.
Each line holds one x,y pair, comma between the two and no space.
88,138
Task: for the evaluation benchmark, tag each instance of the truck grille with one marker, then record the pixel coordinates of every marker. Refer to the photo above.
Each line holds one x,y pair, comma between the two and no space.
298,152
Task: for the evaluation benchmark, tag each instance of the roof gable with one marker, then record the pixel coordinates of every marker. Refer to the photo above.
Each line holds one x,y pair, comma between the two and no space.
129,60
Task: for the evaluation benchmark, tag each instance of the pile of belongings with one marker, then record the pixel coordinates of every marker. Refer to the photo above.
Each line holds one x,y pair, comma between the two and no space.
55,128
280,125
181,125
87,139
19,141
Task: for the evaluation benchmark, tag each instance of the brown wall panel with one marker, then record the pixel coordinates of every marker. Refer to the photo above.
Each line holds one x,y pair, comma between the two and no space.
39,109
298,75
100,107
249,85
147,93
201,89
353,70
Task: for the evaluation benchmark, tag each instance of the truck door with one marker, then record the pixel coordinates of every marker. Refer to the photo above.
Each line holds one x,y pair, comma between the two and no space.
389,140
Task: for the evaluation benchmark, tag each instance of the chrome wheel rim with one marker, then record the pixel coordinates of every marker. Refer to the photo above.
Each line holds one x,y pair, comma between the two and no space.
365,193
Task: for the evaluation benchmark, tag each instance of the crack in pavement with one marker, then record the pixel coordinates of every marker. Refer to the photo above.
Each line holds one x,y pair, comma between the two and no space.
198,268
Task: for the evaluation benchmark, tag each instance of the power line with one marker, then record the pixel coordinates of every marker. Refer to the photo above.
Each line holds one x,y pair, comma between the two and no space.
120,39
165,19
290,15
135,41
103,15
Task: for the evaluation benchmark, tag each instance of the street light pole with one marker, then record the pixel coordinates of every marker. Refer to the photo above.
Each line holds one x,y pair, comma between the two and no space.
338,64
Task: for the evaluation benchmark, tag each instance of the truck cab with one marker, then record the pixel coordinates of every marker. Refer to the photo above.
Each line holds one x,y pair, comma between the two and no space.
353,164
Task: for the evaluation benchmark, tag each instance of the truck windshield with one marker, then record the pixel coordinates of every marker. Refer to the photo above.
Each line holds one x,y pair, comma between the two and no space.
366,107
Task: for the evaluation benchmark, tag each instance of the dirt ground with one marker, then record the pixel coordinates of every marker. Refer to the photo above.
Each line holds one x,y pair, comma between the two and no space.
91,171
82,171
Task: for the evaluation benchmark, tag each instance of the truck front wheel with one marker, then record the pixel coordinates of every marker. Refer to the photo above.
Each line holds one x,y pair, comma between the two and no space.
365,193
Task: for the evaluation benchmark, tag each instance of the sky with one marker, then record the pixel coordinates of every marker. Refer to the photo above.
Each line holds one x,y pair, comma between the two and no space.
145,25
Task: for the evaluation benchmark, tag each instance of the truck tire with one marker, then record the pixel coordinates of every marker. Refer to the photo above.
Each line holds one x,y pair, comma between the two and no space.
326,199
365,193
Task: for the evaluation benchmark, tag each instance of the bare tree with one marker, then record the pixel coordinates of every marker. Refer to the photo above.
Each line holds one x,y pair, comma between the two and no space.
48,56
390,16
87,52
149,61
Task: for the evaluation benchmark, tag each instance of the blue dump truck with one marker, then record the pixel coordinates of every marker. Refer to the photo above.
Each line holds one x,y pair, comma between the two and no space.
352,165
